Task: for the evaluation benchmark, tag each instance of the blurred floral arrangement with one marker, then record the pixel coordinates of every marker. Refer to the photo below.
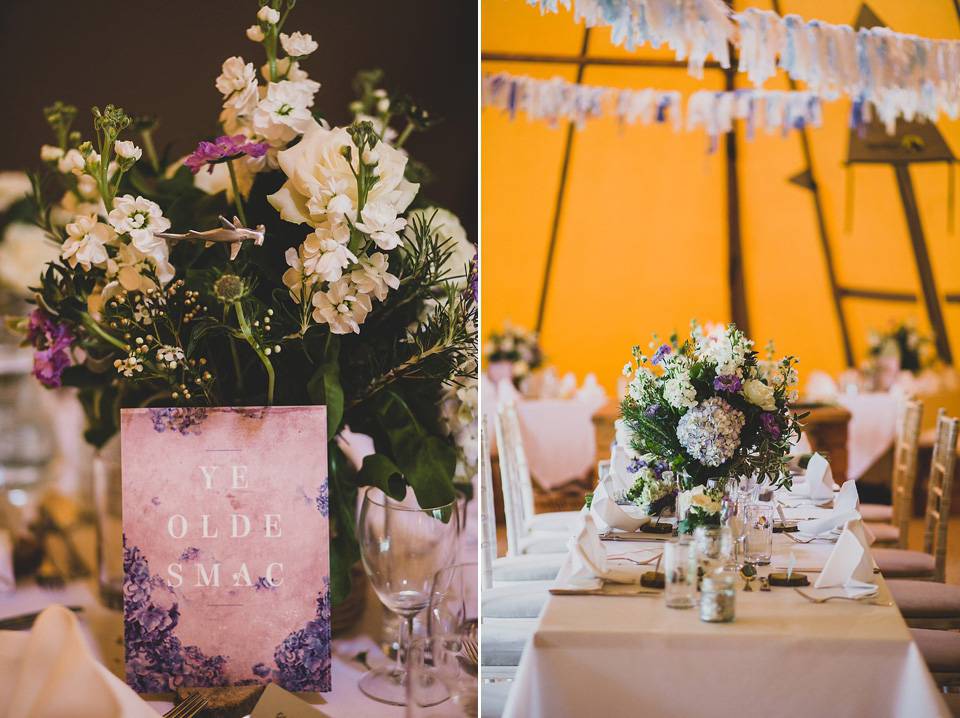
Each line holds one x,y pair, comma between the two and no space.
334,282
516,345
701,412
915,351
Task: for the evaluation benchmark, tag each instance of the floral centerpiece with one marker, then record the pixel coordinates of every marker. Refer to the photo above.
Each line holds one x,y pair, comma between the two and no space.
284,261
914,351
701,412
518,347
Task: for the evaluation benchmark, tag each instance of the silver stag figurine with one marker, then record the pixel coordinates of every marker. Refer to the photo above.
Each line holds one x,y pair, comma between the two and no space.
230,232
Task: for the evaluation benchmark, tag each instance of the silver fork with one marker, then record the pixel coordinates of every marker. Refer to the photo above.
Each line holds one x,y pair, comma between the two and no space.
193,704
866,600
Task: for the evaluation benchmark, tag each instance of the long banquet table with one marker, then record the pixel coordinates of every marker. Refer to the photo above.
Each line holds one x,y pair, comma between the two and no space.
782,656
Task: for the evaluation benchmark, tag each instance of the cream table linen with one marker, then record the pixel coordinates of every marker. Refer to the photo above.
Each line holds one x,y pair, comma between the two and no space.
783,656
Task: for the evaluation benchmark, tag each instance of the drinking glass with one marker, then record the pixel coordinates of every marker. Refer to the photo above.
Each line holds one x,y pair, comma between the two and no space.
444,668
714,547
402,546
758,541
680,569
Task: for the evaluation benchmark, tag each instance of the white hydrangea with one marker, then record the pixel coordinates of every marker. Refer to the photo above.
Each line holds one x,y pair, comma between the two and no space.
679,392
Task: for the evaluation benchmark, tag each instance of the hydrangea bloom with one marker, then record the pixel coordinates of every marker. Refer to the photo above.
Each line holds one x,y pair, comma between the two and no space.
711,431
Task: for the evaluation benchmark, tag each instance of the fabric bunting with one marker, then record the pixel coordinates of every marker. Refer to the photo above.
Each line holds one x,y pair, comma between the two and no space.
897,74
557,100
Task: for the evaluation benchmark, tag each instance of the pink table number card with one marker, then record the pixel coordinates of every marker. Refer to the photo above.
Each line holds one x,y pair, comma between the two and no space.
226,551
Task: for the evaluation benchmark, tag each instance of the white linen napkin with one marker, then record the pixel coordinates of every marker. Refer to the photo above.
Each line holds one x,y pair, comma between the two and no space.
818,480
850,565
591,393
51,673
845,508
619,461
590,559
8,581
605,511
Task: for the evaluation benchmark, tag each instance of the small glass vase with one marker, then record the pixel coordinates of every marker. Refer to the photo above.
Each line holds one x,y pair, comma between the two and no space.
701,506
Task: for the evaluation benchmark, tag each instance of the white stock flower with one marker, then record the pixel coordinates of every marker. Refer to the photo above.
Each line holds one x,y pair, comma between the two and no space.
255,33
284,112
86,242
131,270
341,308
238,84
447,228
331,202
141,219
679,392
314,162
298,44
49,153
24,252
269,15
760,394
127,150
295,278
13,186
373,277
324,256
380,221
72,161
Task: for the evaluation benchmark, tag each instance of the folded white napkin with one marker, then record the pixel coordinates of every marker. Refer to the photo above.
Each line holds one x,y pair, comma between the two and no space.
605,511
850,565
8,581
845,508
591,393
51,673
818,480
590,559
619,461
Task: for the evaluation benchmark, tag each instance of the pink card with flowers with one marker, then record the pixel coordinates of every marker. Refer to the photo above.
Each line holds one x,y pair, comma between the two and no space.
225,521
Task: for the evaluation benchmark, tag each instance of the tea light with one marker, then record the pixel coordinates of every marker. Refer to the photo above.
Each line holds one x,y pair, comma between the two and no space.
717,598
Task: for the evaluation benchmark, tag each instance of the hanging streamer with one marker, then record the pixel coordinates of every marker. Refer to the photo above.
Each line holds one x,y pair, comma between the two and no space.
557,100
899,75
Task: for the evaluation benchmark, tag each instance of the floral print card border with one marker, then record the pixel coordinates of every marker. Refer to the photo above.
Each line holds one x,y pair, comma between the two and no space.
226,535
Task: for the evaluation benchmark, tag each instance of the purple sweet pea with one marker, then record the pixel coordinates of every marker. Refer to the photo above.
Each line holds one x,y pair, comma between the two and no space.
225,148
770,424
661,353
728,383
51,340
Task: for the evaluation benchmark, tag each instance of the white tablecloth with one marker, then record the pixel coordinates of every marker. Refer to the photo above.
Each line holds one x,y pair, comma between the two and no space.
872,429
783,656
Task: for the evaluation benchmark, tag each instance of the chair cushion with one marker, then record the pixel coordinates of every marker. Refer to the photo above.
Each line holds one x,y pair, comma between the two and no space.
517,601
493,698
539,567
883,533
898,563
951,699
544,542
925,599
503,640
940,649
876,512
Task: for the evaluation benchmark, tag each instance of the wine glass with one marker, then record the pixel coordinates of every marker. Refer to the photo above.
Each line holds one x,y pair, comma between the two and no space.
402,546
443,678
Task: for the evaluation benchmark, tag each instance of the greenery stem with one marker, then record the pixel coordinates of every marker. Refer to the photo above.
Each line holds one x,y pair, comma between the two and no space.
248,335
236,194
147,137
407,131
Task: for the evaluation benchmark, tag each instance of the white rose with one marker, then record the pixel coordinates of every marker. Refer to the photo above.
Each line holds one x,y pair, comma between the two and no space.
760,394
315,163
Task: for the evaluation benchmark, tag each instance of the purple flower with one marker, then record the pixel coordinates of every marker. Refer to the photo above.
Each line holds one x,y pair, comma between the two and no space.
225,148
770,424
51,340
651,410
661,353
471,292
728,383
